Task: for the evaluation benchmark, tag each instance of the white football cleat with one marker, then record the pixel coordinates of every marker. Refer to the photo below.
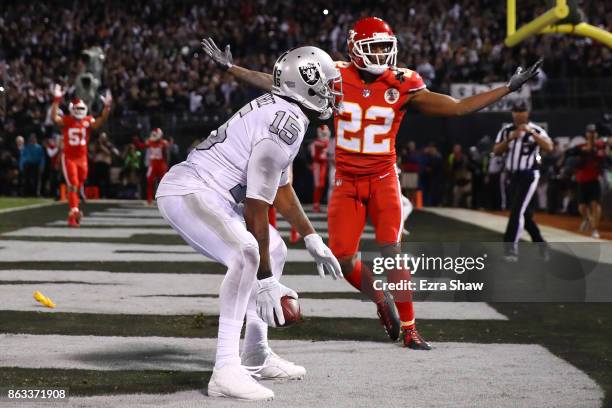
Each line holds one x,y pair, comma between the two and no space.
273,366
235,381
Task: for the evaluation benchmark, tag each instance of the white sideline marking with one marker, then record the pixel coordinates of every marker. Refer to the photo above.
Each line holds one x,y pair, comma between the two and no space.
88,232
15,251
498,223
160,222
452,375
85,232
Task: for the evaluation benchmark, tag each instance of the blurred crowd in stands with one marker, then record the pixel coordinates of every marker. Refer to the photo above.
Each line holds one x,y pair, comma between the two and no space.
475,178
153,64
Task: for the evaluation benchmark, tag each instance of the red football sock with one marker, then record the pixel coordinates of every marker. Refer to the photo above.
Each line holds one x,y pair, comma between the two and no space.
316,199
272,216
150,184
403,298
362,279
73,199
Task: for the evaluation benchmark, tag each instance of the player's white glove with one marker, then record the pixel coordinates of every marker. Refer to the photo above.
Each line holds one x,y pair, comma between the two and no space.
285,291
58,93
521,76
323,256
222,58
268,302
107,98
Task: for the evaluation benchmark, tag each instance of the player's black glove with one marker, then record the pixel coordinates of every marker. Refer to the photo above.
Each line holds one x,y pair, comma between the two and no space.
521,76
222,58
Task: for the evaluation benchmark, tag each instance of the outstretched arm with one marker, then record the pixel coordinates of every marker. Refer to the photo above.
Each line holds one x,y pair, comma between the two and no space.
433,103
438,104
57,98
257,79
107,100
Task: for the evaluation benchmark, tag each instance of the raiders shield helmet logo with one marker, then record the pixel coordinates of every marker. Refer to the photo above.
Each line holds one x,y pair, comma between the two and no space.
391,96
310,73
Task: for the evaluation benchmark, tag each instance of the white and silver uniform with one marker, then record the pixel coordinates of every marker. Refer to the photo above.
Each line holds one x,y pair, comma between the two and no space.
248,156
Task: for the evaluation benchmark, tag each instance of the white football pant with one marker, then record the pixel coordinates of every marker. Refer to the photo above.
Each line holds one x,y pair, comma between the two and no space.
216,229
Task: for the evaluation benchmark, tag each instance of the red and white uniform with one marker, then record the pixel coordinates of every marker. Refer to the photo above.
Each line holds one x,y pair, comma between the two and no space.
158,166
318,152
366,183
77,133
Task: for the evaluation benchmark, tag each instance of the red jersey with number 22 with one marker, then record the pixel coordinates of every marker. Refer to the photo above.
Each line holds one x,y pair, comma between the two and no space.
76,136
369,118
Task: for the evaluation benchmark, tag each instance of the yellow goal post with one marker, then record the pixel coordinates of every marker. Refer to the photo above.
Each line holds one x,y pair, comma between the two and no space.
546,24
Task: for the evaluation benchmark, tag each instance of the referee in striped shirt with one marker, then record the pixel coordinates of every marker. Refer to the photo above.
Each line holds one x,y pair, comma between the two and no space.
520,143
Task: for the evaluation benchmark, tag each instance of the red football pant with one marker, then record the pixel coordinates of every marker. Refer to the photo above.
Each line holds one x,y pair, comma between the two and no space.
75,174
354,199
319,175
155,172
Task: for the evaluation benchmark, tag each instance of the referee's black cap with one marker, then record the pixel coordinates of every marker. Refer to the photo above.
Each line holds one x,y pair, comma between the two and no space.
520,105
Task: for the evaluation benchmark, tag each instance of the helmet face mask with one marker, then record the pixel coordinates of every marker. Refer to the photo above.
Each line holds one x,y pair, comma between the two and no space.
78,109
323,132
156,134
372,45
309,76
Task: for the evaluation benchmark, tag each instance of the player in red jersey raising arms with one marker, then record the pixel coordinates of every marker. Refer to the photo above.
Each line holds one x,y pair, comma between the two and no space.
318,153
76,127
376,97
158,166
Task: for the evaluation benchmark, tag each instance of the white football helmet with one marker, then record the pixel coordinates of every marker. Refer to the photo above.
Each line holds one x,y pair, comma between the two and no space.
309,76
156,134
77,108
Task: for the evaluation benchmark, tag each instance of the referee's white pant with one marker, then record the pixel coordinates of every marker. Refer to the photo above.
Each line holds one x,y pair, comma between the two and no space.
523,185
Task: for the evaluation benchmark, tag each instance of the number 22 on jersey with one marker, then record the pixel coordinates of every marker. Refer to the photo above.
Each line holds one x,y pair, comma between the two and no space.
354,135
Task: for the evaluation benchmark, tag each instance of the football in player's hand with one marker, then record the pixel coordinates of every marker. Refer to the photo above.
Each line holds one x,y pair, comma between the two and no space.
291,310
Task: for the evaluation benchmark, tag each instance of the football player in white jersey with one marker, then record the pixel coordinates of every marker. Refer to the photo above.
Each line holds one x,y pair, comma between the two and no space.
218,201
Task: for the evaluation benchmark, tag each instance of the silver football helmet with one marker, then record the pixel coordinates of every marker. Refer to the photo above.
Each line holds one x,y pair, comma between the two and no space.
309,76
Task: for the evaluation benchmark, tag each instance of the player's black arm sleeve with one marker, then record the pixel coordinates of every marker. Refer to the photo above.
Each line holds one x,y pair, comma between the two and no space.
257,79
288,204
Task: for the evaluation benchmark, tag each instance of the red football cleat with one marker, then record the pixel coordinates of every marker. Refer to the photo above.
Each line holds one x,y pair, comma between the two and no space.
72,220
78,216
413,340
387,313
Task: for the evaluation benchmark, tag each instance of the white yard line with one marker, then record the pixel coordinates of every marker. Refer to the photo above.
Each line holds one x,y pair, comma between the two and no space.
22,251
453,375
172,294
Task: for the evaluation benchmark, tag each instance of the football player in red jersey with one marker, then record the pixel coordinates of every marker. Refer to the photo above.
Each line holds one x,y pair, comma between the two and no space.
158,165
318,153
376,97
76,127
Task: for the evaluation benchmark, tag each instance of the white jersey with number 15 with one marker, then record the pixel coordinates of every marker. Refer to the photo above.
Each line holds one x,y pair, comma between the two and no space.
247,156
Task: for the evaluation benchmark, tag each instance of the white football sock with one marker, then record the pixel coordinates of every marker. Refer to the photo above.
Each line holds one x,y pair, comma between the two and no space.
228,342
256,333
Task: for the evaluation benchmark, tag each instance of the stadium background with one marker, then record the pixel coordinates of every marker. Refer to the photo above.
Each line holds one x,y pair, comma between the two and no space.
160,78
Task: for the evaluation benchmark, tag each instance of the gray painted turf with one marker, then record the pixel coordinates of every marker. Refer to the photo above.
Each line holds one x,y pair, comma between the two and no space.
342,373
345,374
142,293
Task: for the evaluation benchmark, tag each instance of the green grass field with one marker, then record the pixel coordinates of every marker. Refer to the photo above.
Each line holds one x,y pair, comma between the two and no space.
15,202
